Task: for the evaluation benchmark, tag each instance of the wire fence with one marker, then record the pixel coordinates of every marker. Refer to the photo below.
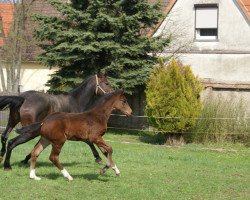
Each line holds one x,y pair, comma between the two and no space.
4,115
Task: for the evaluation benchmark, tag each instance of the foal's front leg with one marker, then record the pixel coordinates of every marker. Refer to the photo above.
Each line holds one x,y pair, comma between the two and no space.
107,151
41,145
54,158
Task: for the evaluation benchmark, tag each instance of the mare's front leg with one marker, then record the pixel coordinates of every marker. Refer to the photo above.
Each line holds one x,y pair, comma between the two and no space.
95,152
107,151
40,146
54,158
12,122
25,137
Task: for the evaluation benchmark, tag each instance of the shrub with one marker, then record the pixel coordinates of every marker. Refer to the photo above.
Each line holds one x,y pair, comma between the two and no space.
173,97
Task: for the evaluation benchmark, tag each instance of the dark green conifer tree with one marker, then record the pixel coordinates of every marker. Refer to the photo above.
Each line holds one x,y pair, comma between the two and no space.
93,35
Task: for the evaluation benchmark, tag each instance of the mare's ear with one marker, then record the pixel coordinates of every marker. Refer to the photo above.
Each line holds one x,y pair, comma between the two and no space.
101,73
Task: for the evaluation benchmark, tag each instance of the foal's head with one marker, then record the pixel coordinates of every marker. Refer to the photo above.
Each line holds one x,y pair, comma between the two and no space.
102,84
122,104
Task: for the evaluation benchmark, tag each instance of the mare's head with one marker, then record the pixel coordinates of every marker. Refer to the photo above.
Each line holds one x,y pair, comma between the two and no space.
102,84
121,103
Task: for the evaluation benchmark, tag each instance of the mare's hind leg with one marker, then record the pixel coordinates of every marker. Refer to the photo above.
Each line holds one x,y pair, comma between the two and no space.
28,157
107,151
25,137
41,145
95,152
54,158
12,122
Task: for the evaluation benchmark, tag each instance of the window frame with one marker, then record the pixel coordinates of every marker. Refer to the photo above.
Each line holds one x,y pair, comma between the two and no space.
196,30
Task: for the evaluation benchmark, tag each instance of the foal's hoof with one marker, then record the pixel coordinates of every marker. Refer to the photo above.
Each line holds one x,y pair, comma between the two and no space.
119,174
70,178
1,159
36,178
103,171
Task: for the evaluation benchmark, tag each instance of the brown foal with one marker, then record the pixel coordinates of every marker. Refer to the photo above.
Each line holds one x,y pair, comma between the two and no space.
89,126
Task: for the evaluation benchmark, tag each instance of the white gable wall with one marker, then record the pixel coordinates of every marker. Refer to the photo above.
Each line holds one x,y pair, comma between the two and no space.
227,59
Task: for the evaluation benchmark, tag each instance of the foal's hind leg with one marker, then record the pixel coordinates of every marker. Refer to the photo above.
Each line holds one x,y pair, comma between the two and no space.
12,122
41,145
107,151
54,158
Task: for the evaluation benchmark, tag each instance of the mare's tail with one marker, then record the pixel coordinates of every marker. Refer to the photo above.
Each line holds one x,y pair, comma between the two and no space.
12,102
35,127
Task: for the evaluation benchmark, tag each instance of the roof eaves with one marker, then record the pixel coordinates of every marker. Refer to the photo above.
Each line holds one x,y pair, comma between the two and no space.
166,10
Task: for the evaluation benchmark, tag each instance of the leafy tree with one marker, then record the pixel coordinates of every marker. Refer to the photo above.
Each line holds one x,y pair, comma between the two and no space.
173,94
92,35
15,44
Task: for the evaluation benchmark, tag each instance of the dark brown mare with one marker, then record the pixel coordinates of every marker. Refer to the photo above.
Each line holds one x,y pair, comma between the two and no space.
32,106
88,126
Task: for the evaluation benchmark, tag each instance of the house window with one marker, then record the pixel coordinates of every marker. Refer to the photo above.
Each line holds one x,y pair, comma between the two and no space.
206,22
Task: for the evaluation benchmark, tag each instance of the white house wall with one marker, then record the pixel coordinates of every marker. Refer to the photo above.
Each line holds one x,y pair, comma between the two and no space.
227,59
33,77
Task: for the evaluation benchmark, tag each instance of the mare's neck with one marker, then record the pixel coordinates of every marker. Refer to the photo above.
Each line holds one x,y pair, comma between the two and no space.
84,94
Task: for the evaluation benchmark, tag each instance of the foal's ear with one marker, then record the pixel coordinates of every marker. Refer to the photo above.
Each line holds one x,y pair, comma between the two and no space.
121,91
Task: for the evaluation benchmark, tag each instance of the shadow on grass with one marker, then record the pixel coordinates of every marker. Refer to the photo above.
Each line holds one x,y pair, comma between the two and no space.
44,164
144,136
89,176
158,138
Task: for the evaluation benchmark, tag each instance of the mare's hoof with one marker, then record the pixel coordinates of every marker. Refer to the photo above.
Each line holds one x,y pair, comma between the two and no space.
98,161
119,174
7,168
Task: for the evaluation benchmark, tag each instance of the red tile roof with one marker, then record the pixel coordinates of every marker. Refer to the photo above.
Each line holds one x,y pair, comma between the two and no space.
167,5
6,13
245,6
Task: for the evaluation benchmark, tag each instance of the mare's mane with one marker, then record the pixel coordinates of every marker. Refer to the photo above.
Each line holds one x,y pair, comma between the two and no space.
75,91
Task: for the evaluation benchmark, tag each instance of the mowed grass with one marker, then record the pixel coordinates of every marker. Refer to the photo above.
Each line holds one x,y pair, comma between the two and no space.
147,172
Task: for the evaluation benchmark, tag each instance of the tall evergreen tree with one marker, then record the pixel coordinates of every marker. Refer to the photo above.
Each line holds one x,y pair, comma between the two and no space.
93,35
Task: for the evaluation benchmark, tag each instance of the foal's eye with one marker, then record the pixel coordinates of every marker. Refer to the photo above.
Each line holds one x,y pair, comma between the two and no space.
124,102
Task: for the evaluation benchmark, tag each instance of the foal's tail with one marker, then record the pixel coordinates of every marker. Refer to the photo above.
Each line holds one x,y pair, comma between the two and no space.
35,127
12,102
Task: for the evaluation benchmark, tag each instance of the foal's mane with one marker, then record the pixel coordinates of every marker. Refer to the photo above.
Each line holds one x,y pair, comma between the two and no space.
105,98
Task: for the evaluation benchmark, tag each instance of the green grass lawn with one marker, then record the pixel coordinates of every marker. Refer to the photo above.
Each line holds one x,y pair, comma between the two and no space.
147,172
